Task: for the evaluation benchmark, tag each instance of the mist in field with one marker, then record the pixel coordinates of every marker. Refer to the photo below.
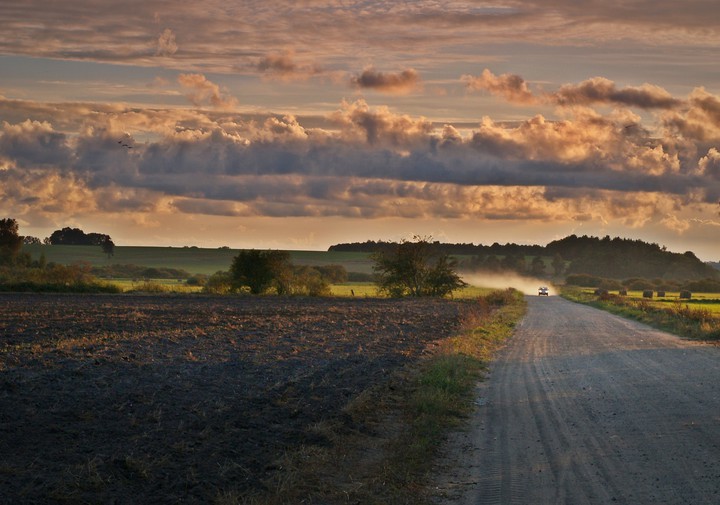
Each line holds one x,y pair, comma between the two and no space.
528,285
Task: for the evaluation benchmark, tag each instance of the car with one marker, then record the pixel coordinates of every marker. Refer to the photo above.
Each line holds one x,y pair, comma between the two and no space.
543,291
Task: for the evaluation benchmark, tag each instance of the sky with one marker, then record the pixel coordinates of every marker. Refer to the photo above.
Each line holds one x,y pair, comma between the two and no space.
298,125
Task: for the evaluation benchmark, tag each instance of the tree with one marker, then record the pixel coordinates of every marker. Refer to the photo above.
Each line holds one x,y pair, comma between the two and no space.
30,240
108,247
537,267
261,270
414,269
10,240
75,236
514,263
558,264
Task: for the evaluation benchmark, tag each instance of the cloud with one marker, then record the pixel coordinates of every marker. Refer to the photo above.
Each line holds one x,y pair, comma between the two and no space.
400,83
166,45
284,66
32,143
359,122
511,87
359,162
709,164
700,121
601,90
200,91
597,90
217,37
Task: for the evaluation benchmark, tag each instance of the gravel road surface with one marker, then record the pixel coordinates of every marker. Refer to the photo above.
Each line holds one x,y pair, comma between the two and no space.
583,407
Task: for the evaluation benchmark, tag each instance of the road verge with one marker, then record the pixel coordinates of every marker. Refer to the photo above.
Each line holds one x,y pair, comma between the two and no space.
382,449
680,319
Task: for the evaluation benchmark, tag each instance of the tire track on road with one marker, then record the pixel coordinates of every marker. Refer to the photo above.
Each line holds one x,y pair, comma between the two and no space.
583,407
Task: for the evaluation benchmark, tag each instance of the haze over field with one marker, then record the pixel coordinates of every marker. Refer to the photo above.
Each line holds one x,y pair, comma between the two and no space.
297,125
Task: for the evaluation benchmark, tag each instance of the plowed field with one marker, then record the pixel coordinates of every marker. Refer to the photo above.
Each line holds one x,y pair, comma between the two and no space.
151,399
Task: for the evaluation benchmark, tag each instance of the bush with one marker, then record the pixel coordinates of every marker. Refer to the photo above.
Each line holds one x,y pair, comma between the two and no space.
218,283
703,286
638,284
500,298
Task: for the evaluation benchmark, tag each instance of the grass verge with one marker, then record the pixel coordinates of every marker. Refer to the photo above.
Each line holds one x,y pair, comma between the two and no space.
682,319
382,450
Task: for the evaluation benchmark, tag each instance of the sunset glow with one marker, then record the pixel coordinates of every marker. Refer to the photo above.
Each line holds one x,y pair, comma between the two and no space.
297,125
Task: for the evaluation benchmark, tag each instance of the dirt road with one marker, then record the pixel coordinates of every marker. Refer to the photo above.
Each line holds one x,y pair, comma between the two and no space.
583,407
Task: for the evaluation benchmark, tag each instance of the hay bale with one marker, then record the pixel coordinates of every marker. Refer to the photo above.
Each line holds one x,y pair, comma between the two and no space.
648,293
685,295
622,292
661,294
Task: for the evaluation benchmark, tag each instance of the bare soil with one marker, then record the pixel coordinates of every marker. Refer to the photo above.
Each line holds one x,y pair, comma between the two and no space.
161,399
584,407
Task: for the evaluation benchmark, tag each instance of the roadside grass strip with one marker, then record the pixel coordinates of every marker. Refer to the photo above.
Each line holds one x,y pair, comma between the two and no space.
444,391
383,451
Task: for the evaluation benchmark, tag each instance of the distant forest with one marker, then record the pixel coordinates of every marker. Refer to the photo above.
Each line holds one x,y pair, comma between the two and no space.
614,258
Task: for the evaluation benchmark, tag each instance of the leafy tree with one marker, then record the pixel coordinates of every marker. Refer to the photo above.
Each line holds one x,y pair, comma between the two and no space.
260,270
219,283
537,267
10,240
75,236
492,264
334,274
414,269
558,264
309,281
108,247
30,240
514,262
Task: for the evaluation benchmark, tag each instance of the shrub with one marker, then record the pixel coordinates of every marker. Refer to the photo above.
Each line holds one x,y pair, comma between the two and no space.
218,283
499,298
703,286
638,284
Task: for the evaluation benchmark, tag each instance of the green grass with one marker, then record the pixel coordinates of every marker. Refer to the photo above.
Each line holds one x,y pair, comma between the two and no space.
705,301
154,286
192,259
443,393
699,319
358,289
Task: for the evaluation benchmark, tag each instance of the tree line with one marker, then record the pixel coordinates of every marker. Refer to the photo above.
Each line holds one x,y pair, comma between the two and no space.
73,236
615,258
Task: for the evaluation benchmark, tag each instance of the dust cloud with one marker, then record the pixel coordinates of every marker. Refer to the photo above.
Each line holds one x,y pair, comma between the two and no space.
528,285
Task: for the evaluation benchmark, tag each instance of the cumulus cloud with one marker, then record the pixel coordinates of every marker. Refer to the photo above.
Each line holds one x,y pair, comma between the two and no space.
32,143
200,91
710,164
401,83
601,90
284,66
597,90
362,161
358,121
511,87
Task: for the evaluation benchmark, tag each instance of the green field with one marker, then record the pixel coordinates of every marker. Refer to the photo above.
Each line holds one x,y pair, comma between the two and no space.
194,260
707,301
